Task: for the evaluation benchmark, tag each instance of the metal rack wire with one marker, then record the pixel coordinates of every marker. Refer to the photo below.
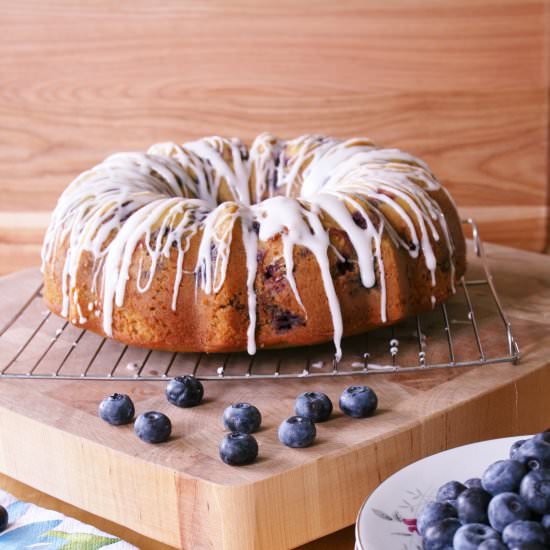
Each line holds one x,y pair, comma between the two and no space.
42,346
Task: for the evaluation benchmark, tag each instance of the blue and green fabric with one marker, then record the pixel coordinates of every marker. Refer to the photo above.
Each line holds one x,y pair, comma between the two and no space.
33,528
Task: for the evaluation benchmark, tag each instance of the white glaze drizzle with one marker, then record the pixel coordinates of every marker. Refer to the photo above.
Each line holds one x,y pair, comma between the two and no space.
161,199
299,226
250,242
265,154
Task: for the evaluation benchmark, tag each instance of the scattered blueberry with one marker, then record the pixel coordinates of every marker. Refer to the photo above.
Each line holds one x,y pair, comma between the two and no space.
358,401
524,532
238,449
449,491
153,427
471,535
117,409
184,391
506,508
535,491
314,405
297,432
471,505
503,476
492,544
433,512
4,519
534,453
515,446
242,417
439,535
473,483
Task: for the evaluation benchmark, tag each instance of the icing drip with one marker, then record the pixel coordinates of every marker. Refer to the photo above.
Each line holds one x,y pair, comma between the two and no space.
250,242
211,151
265,155
297,190
215,247
198,170
121,250
300,226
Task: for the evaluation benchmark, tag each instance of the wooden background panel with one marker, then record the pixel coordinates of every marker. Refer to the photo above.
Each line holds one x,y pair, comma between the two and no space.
464,84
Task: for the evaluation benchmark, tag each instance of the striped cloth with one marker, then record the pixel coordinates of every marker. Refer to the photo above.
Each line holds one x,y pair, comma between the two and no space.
33,528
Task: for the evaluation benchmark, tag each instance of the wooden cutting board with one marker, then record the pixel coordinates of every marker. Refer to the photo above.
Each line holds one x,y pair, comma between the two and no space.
180,493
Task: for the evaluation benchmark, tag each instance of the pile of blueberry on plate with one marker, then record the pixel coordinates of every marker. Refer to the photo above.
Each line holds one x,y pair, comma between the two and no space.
508,507
239,446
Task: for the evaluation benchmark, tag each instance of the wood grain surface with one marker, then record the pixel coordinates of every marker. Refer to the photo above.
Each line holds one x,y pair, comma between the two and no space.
181,494
341,540
461,83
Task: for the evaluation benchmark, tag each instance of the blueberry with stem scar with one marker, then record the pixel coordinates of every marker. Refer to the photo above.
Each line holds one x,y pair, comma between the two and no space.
117,409
314,405
238,449
184,391
358,401
153,427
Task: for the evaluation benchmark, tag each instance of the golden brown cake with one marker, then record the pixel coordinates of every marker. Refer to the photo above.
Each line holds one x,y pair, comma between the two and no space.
213,246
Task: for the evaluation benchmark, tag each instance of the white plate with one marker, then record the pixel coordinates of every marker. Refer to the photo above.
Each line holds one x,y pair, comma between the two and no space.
387,518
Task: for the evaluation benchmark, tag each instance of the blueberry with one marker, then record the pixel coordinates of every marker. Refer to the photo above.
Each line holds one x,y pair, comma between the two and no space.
184,391
492,544
473,483
242,417
153,427
506,508
285,320
471,505
515,447
449,491
433,512
313,405
543,436
297,432
4,519
471,535
439,535
117,409
238,449
528,546
524,532
503,476
534,453
535,491
545,522
358,401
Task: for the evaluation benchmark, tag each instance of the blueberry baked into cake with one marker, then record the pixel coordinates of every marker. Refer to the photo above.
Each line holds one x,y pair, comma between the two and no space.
215,246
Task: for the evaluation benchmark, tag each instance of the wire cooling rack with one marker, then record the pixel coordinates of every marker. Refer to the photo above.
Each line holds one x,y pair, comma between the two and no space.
470,329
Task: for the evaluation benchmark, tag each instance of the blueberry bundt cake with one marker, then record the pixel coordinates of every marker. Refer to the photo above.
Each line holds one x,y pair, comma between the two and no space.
213,246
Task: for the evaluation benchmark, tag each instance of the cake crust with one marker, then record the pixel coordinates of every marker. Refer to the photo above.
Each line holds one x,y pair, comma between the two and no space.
240,273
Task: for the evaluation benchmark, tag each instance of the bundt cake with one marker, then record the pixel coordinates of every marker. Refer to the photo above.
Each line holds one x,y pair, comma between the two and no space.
213,246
